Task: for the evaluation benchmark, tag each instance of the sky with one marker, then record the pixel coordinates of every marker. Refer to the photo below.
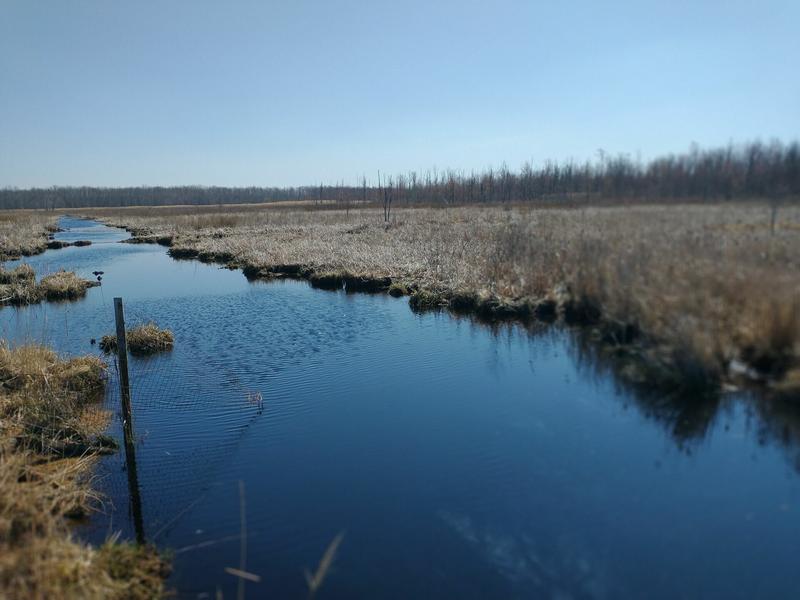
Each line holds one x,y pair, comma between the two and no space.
114,93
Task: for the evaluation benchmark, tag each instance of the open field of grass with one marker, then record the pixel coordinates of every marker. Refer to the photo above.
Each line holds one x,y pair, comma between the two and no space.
50,432
694,294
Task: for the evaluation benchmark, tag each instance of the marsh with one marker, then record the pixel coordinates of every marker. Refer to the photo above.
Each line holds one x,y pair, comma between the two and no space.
473,459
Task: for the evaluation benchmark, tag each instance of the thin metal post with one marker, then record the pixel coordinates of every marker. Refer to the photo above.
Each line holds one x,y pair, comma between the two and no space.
127,422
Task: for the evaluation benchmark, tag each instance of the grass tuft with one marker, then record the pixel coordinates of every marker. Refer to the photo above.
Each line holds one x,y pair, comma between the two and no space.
19,286
141,340
23,273
64,285
427,300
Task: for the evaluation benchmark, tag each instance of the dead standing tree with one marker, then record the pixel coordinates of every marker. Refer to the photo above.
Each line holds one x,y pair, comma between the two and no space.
385,196
388,196
364,189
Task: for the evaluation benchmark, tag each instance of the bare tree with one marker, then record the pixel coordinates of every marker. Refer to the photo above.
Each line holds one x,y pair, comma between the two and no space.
388,196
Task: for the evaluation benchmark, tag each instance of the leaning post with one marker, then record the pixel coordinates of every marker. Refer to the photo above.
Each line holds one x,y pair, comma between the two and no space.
127,422
122,356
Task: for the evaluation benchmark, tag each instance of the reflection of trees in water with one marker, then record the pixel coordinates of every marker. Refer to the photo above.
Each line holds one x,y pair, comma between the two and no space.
778,422
688,415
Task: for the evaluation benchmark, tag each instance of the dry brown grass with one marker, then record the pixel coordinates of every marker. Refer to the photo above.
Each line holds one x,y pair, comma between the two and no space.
64,285
50,431
703,286
143,339
44,399
21,274
24,232
19,286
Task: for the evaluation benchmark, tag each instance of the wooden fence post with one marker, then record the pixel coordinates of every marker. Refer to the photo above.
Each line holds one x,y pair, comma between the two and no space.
122,356
127,422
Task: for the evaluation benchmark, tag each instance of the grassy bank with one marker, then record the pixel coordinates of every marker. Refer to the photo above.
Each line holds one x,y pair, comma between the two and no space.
24,232
50,433
697,294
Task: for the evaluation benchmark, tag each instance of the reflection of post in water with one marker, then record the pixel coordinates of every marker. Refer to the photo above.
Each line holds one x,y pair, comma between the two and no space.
127,423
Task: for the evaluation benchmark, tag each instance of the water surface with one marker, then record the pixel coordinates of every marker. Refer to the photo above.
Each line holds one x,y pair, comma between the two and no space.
459,460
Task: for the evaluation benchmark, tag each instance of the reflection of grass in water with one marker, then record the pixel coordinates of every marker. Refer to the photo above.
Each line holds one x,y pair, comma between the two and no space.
316,579
689,414
685,406
313,580
779,423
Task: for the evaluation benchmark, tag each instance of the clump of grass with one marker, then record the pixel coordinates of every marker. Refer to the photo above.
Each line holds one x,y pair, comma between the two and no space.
47,400
464,300
366,282
183,252
19,286
398,289
327,280
48,405
141,340
64,285
426,300
39,558
19,292
138,570
21,274
34,367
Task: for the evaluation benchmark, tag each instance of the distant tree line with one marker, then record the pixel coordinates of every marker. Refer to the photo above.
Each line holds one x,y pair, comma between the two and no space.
753,170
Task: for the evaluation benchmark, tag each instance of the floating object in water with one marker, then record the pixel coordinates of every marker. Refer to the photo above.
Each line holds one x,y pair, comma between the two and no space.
92,341
98,273
257,399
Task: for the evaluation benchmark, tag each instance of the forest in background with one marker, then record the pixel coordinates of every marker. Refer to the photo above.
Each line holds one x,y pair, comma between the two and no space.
752,170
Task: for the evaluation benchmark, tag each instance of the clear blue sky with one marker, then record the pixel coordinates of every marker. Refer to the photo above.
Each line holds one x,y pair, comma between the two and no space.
281,93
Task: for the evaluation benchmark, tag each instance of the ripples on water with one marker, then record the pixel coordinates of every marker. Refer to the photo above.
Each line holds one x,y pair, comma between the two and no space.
461,461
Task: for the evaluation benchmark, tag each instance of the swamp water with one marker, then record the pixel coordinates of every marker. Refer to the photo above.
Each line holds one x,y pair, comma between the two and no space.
459,460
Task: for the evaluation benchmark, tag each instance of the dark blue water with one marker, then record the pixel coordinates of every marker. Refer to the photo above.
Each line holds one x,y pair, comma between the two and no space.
459,460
